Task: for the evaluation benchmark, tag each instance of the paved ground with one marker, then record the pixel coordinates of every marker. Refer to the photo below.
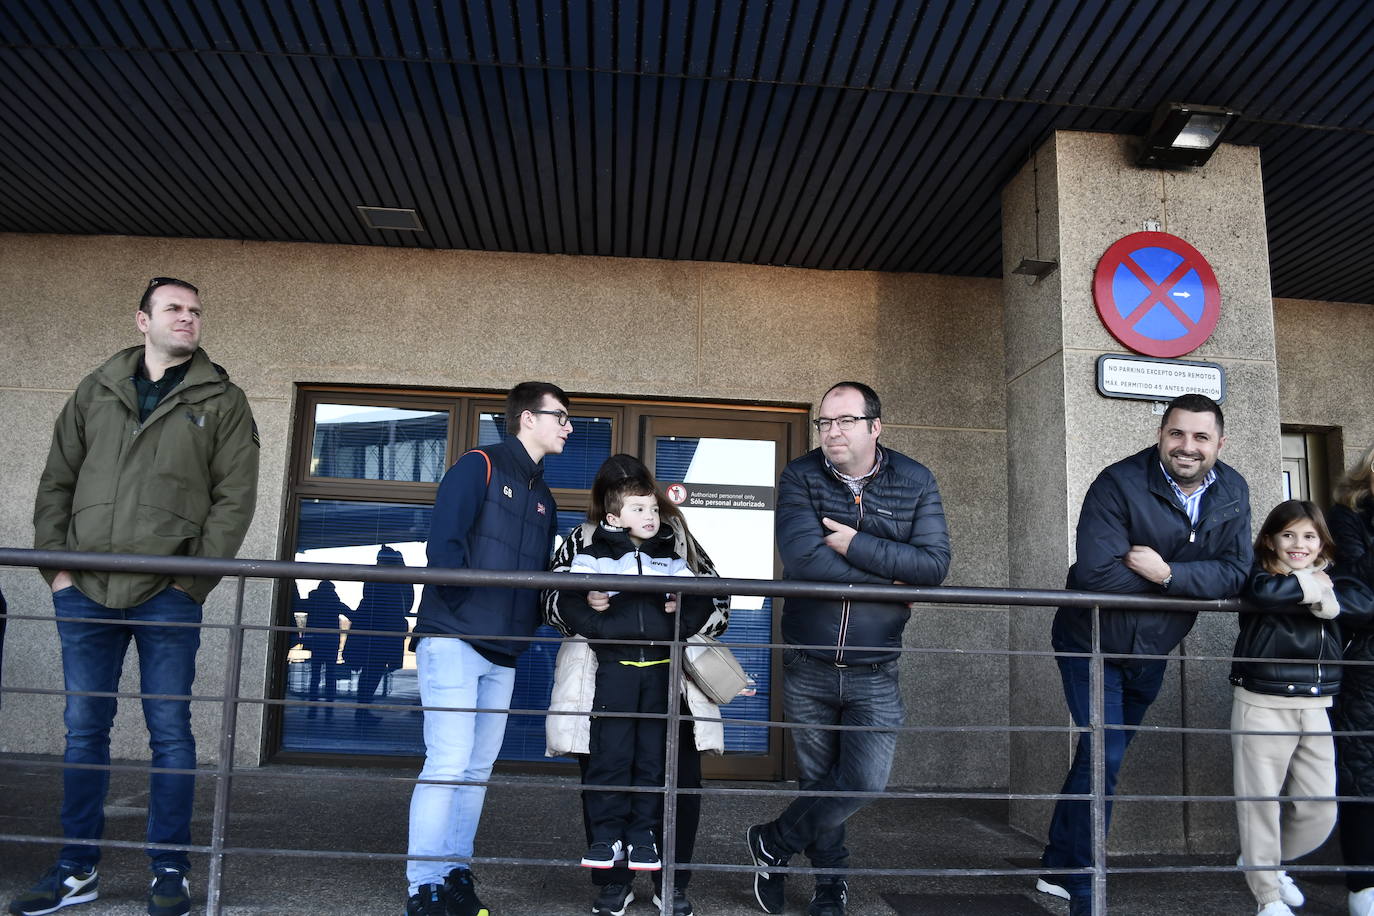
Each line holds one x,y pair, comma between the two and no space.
537,818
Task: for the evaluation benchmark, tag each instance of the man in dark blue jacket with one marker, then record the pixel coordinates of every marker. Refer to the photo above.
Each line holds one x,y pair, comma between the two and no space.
1169,520
853,512
493,511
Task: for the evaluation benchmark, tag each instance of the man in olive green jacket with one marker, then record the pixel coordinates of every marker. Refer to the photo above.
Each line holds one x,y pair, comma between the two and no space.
155,453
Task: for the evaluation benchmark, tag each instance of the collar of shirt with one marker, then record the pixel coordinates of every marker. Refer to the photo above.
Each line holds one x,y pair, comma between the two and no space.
857,484
151,393
1191,502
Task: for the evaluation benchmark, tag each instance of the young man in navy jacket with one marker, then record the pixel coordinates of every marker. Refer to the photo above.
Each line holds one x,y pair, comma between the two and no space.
493,511
1169,520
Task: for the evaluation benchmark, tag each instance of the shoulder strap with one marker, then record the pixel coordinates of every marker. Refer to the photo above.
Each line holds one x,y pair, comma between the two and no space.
486,458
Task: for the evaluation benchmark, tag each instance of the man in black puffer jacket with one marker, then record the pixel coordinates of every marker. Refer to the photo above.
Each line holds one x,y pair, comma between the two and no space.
852,512
1169,520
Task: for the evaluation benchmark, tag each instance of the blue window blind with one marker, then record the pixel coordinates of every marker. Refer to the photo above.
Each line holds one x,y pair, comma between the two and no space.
379,443
750,625
672,457
587,448
325,669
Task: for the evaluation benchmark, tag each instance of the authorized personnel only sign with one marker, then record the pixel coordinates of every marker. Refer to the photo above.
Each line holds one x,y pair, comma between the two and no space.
1144,379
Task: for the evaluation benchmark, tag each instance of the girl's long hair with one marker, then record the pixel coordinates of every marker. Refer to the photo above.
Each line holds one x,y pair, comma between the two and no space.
1358,483
1280,517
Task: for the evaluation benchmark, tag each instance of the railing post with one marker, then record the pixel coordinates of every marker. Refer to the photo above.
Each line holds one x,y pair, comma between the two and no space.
668,874
1097,720
223,771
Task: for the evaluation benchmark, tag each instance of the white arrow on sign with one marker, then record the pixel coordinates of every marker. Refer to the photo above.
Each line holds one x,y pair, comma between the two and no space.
1184,295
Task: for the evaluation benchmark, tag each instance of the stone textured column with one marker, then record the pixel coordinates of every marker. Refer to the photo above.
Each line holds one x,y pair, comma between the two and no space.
1078,194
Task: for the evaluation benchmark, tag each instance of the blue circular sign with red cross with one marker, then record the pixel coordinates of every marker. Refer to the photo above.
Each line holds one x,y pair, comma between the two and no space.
1157,294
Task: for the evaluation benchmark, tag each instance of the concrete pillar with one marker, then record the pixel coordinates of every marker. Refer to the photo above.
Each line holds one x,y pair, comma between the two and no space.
1076,196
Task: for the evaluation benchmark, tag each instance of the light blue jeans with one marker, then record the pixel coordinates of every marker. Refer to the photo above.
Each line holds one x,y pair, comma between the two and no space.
459,746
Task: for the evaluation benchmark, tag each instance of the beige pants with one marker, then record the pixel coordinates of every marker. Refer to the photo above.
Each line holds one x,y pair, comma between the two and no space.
1298,764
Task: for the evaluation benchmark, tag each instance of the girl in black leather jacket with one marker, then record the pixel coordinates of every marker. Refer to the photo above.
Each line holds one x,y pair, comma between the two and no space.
1286,671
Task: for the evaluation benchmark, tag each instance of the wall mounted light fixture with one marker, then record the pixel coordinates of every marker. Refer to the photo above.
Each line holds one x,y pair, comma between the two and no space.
1184,136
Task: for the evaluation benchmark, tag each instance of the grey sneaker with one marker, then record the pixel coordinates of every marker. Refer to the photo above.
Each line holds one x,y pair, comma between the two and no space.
769,889
62,885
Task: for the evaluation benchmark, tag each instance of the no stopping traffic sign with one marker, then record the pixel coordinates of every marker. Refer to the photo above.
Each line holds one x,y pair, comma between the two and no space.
1157,294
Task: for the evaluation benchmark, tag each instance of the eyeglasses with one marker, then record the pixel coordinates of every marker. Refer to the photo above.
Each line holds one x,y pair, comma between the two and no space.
560,415
844,423
170,281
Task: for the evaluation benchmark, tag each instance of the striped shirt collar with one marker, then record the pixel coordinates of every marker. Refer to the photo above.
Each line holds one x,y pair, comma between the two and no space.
856,484
1191,502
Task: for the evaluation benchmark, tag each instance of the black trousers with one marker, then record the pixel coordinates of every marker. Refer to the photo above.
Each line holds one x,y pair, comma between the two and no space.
688,811
626,751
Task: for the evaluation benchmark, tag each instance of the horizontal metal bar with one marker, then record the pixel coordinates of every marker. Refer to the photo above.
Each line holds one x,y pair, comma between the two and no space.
289,569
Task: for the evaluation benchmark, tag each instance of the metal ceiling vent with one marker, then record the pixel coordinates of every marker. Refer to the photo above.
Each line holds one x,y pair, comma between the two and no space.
391,218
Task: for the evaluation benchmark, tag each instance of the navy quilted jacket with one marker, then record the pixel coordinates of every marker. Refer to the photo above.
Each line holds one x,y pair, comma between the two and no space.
507,524
902,537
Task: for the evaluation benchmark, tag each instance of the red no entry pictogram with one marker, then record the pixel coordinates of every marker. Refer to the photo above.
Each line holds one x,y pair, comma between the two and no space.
1157,294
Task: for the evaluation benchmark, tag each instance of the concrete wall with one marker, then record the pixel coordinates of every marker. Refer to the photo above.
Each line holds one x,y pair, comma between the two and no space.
1081,193
282,314
1325,351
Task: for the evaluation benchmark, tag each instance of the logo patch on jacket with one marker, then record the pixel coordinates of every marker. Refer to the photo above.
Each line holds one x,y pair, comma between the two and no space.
507,492
539,507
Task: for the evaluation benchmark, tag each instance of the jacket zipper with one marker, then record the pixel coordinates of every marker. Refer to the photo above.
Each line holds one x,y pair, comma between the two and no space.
844,605
639,606
1321,653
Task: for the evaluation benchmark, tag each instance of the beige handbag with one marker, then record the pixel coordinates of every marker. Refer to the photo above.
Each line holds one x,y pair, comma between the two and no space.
713,667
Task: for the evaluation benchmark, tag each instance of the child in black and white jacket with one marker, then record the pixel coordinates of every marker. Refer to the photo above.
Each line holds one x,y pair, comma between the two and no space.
630,678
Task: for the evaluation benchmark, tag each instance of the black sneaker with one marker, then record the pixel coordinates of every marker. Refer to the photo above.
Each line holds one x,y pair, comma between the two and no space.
681,905
459,886
613,900
830,898
429,900
62,885
170,892
603,855
769,889
644,857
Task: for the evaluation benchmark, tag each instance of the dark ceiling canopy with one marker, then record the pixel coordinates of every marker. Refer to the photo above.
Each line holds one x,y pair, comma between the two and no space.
829,134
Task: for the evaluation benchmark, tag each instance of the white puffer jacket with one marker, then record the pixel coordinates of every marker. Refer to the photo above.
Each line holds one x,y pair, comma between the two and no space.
574,678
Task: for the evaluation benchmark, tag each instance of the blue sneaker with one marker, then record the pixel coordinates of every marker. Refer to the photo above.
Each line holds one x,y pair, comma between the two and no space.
170,892
62,885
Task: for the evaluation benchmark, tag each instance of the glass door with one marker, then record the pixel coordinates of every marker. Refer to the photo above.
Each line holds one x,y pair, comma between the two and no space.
722,474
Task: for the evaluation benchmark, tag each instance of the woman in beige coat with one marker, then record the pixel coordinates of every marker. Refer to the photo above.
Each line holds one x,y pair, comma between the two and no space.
575,684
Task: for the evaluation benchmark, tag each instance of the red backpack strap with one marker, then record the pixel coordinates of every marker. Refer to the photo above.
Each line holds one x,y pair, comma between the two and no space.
486,458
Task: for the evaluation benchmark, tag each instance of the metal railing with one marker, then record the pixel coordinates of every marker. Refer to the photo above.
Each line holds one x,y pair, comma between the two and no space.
224,770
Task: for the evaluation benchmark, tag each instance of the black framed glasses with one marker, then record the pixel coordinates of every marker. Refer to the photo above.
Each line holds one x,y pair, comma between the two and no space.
844,423
560,415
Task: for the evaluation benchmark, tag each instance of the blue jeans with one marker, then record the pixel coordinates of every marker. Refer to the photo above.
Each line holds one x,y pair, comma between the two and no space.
1129,687
92,659
459,746
817,692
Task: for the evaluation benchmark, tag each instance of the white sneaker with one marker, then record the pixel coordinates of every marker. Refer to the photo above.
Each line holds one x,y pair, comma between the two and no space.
1057,890
1289,892
1362,902
1277,908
